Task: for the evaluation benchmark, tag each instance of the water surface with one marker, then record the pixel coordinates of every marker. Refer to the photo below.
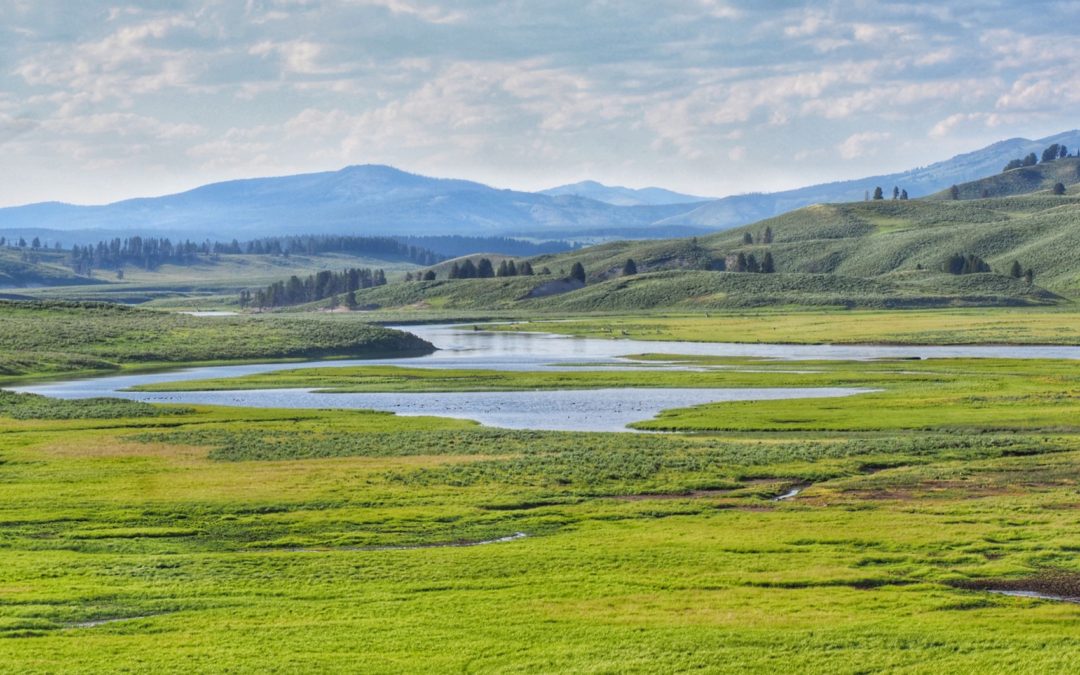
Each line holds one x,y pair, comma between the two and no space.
576,410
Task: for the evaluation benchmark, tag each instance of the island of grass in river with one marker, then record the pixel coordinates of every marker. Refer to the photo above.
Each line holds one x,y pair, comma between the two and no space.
1029,394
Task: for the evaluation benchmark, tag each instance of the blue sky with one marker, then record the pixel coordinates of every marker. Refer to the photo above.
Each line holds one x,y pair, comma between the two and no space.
105,100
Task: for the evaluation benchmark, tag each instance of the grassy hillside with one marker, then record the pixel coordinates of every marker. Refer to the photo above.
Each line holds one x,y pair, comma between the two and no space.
43,338
204,284
19,269
877,239
1024,180
702,290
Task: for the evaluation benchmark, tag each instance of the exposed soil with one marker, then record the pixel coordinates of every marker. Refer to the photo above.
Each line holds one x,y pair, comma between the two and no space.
1056,585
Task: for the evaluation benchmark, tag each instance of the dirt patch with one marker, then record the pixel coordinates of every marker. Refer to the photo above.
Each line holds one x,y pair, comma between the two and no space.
1061,586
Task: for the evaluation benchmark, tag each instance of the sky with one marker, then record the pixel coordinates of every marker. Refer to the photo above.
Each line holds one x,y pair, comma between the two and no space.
101,101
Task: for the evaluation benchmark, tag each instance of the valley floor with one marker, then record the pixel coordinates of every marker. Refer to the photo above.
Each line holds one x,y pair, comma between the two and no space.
150,538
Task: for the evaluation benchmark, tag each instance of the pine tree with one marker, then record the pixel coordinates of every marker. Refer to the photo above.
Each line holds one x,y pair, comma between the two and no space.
429,275
747,238
954,192
1016,271
526,269
767,265
895,193
768,238
578,272
903,195
878,194
630,268
752,264
1059,188
740,262
1051,153
484,269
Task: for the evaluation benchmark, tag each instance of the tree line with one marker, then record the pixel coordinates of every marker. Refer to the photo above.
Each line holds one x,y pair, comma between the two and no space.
484,269
969,263
897,194
318,286
1052,152
152,252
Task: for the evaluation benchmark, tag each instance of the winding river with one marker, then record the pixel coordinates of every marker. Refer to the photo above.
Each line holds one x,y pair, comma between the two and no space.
569,410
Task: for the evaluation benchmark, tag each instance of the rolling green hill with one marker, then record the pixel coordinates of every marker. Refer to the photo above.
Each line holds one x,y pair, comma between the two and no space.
869,240
1020,181
704,290
861,254
19,269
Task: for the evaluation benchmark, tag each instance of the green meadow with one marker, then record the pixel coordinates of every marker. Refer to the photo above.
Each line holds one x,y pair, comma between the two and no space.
993,325
155,538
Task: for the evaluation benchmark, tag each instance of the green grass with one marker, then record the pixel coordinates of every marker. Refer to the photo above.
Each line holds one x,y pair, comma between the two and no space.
163,539
50,338
252,540
681,290
20,268
1040,326
213,281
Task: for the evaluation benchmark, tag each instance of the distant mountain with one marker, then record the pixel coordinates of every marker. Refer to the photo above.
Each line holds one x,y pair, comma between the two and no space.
623,196
380,200
744,209
363,200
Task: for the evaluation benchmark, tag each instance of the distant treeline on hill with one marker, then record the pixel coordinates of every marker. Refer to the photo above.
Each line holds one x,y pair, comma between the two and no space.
297,291
1051,153
456,246
152,252
483,269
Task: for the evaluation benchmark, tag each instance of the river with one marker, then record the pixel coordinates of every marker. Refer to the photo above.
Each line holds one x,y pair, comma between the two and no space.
569,410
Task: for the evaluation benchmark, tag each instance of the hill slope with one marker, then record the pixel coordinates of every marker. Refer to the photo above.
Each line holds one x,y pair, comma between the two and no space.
743,209
878,239
1021,181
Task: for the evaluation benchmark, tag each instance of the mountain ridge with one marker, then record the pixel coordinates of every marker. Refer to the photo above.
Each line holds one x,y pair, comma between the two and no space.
372,200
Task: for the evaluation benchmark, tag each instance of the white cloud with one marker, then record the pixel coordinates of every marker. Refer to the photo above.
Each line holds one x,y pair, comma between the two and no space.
863,144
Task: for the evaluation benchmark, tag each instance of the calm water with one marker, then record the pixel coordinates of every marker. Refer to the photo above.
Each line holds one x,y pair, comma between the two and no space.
584,410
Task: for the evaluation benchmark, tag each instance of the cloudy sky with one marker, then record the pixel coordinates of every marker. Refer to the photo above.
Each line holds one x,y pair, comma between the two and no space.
105,100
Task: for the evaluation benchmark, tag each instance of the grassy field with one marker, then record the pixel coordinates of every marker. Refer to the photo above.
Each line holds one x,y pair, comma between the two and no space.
944,326
300,540
161,538
51,338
